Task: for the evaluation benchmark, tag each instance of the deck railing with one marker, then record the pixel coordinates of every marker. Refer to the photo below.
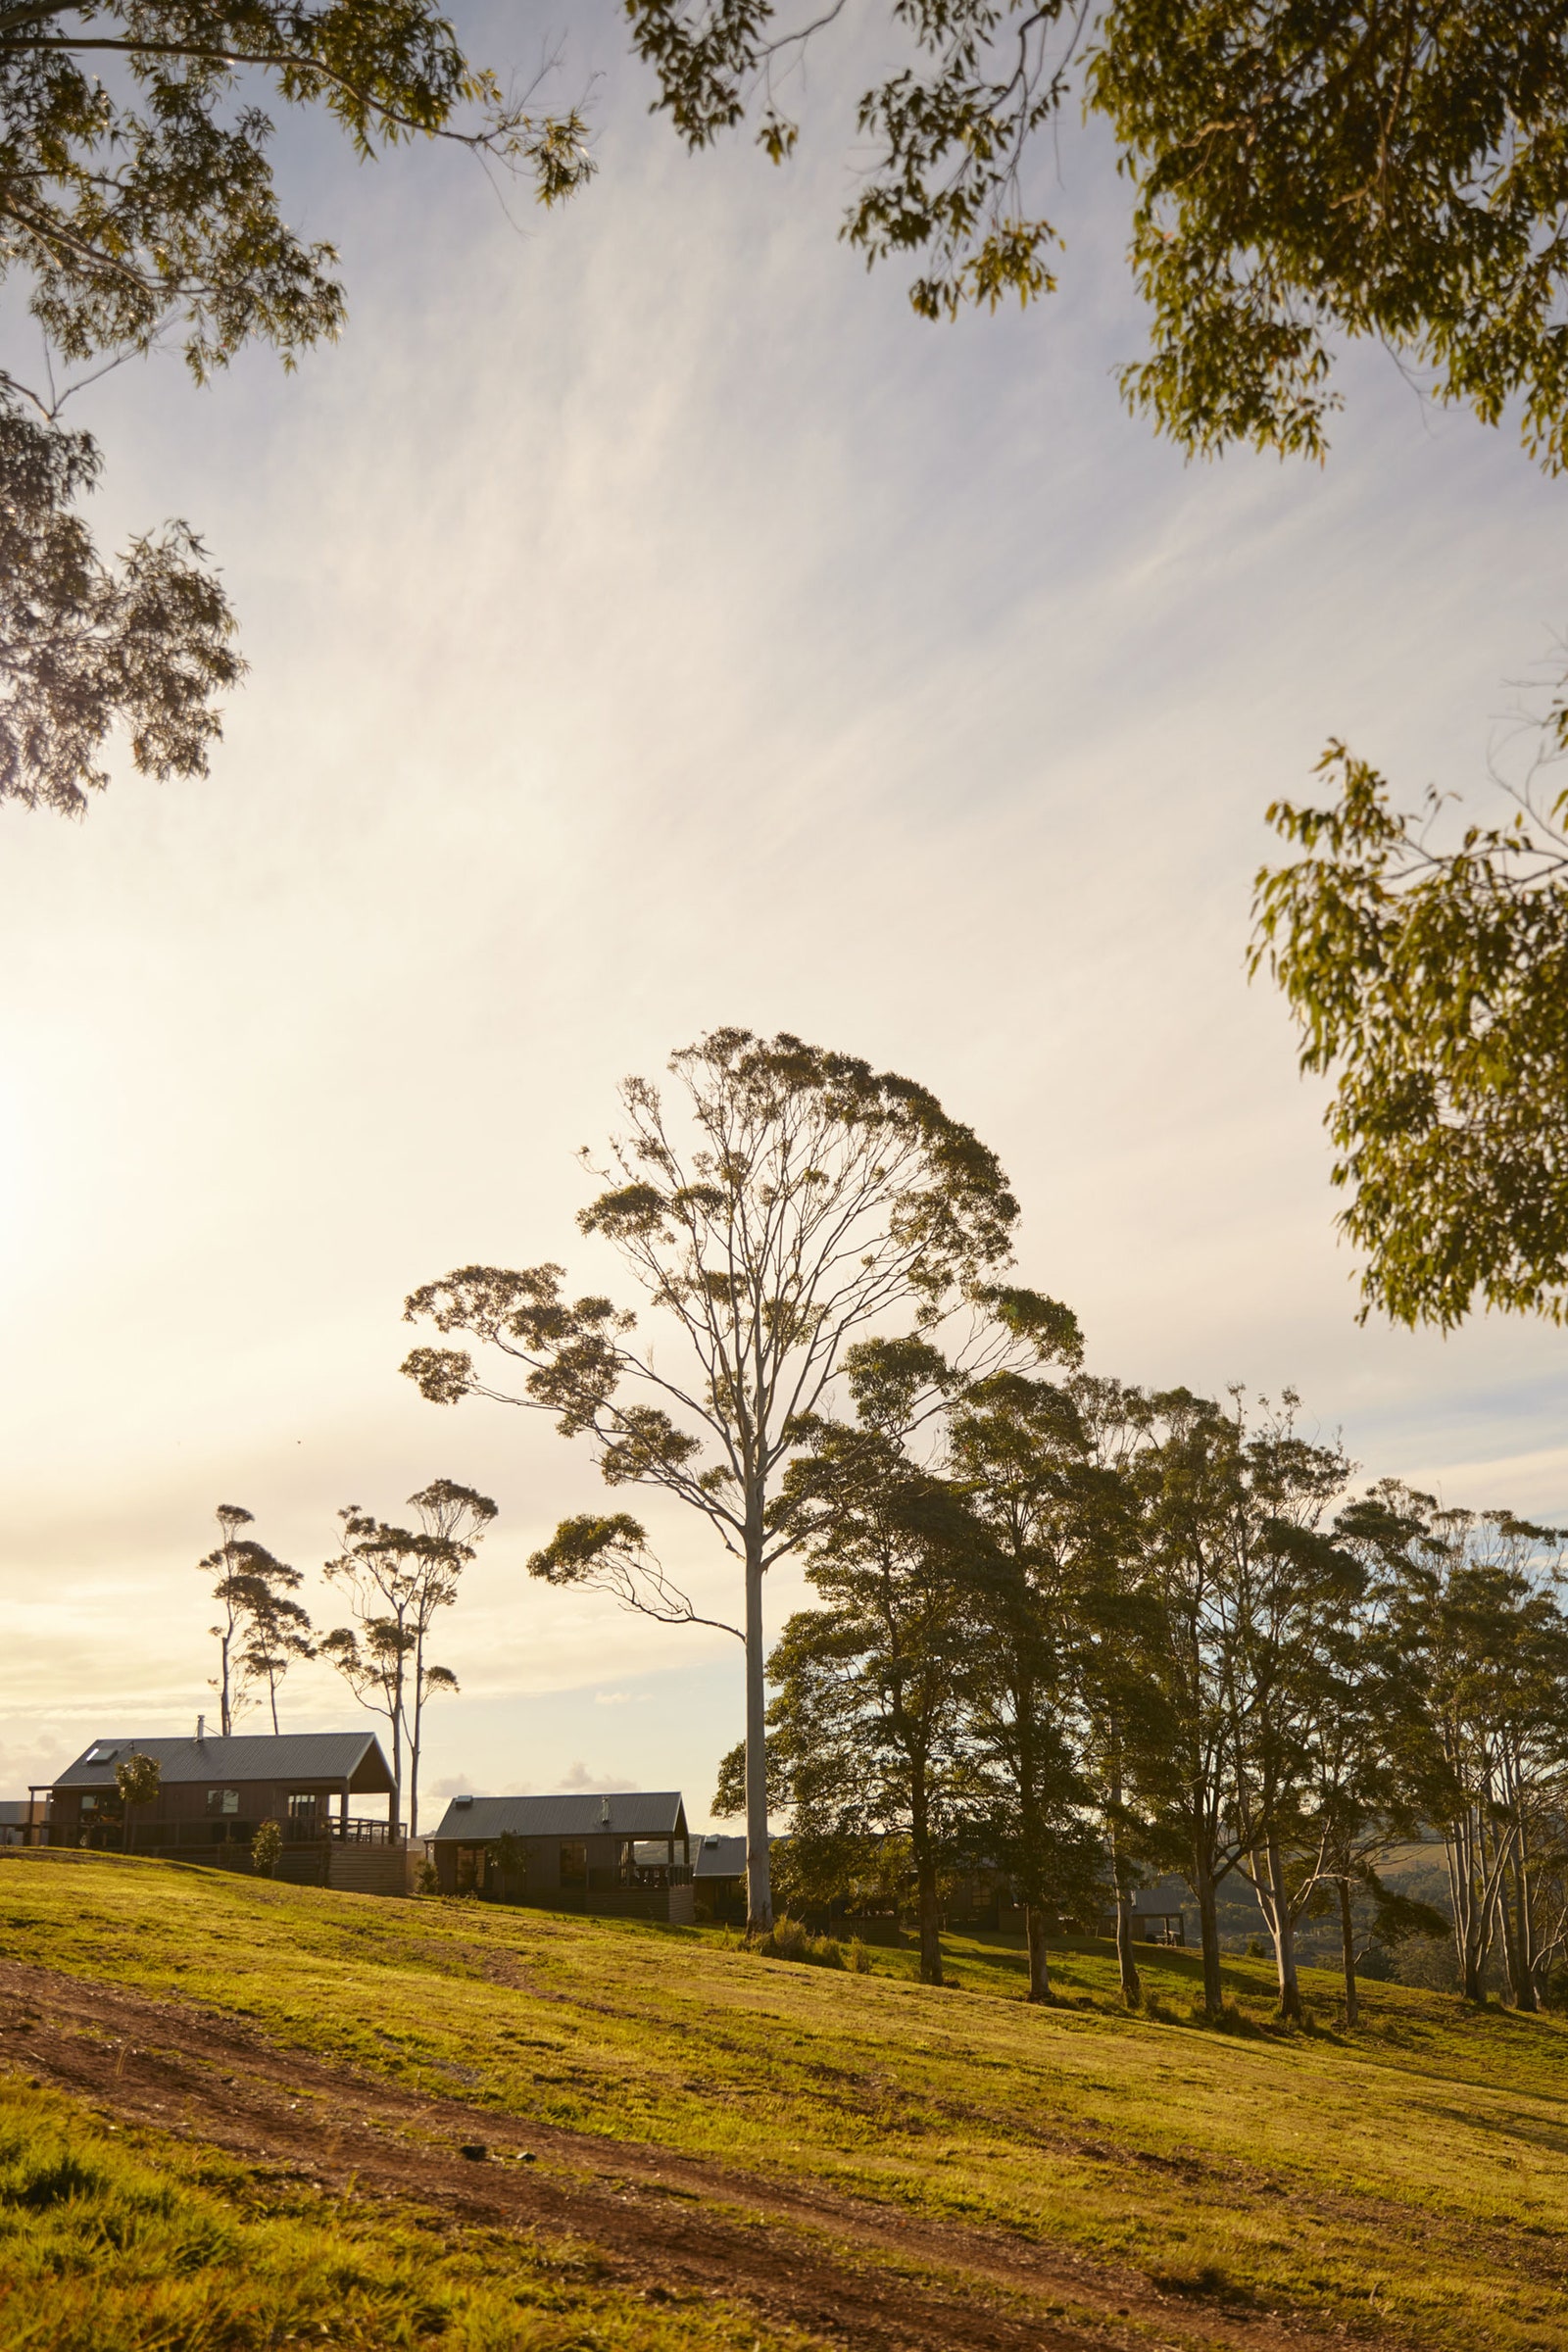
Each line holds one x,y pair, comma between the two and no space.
185,1836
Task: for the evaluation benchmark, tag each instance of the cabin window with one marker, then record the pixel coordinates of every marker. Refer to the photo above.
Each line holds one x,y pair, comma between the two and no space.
573,1862
222,1801
470,1869
302,1805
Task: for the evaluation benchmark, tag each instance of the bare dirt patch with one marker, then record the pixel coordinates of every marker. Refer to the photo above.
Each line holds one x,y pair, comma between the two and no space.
842,2268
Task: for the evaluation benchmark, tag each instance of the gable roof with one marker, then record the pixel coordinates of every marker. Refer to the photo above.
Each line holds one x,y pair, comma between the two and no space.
633,1813
719,1857
352,1756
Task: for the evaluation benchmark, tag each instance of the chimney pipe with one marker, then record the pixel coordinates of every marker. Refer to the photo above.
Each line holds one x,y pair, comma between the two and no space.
604,1812
201,1729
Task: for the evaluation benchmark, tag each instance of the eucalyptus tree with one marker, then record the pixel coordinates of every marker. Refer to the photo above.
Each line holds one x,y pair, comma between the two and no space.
1180,1748
138,207
1485,1643
453,1520
1284,1586
792,1202
1020,1457
252,1592
374,1656
398,1580
1373,1784
869,1718
278,1636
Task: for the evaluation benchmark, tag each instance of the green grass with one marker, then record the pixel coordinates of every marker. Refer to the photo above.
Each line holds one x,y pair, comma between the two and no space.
126,2241
1412,2177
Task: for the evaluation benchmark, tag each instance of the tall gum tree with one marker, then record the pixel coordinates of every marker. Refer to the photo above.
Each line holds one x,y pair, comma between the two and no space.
1017,1447
398,1580
870,1718
800,1200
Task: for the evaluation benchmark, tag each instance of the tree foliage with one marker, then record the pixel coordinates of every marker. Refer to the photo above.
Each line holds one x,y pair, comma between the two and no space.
138,207
1432,982
86,646
261,1627
1300,170
398,1581
792,1202
1097,1631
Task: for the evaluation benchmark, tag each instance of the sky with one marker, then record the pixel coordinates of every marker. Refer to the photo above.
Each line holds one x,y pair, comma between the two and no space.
654,625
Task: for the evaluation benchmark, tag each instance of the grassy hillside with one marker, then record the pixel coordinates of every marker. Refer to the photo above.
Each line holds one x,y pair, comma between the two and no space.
129,2242
1412,2177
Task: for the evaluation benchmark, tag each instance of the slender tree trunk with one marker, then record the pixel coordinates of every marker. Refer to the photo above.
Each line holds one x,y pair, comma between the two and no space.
395,1717
1461,1890
1132,1991
1034,1923
1281,1927
930,1921
271,1693
1511,1959
928,1915
414,1739
758,1872
1352,1998
1209,1931
222,1690
1524,1932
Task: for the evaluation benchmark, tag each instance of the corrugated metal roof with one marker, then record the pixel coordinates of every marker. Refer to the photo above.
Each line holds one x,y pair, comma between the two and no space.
15,1812
632,1813
352,1756
719,1858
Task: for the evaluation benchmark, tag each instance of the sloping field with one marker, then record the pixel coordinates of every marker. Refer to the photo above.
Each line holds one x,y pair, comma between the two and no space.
1081,2176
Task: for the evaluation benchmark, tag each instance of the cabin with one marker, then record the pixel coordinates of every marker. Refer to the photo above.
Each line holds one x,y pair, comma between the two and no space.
1156,1915
23,1820
625,1857
719,1880
213,1793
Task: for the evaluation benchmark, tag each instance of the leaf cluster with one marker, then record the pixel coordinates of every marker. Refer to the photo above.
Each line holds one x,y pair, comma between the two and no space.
1431,981
87,646
1303,172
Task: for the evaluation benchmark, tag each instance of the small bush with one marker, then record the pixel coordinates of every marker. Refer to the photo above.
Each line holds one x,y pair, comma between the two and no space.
426,1880
791,1939
267,1847
857,1959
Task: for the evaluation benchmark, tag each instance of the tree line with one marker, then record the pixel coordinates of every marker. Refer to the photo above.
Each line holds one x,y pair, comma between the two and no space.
397,1580
1080,1632
1076,1629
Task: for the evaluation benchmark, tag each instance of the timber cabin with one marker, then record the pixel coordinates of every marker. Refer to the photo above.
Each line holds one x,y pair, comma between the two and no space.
718,1879
625,1857
23,1821
213,1793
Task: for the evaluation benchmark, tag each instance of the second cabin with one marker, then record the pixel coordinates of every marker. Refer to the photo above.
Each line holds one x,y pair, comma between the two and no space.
623,1856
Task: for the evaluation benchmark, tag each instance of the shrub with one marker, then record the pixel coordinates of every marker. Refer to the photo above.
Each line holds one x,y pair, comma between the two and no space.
791,1939
425,1879
267,1847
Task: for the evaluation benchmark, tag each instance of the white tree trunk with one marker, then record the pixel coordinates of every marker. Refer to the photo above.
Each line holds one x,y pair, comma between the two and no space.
759,1876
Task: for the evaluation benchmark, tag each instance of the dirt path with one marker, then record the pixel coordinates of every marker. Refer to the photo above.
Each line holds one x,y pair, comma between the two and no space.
840,2266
